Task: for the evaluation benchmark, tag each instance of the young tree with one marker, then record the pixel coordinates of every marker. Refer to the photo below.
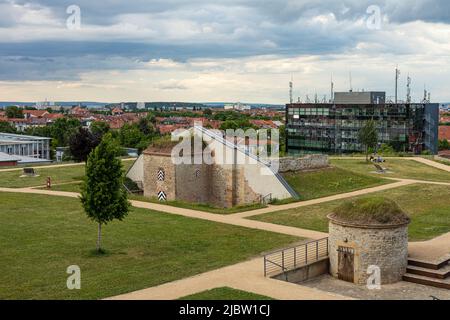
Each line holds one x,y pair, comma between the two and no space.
103,196
81,143
368,137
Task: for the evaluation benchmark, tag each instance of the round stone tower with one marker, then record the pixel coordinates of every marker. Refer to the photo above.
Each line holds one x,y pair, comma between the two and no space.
368,237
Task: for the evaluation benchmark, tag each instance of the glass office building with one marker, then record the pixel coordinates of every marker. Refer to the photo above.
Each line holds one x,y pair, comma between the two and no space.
333,128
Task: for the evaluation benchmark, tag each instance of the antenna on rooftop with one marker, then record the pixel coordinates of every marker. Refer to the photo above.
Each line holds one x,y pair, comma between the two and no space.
350,78
408,89
397,74
291,87
332,90
425,93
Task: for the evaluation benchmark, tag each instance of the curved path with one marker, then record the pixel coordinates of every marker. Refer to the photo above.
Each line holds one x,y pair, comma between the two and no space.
247,276
251,277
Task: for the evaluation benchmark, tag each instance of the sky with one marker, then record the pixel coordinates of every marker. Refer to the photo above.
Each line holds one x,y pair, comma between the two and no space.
229,50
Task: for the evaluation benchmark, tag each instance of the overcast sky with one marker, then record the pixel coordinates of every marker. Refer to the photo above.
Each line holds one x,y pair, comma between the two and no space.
229,50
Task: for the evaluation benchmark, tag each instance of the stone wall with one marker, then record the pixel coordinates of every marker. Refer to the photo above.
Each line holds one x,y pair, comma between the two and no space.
192,182
222,186
152,186
386,248
309,162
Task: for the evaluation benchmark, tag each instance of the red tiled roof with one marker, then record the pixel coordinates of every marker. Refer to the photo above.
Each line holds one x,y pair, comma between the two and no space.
263,123
35,113
52,116
444,133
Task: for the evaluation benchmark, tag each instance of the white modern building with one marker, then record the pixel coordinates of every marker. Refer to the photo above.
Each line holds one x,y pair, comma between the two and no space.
237,106
25,146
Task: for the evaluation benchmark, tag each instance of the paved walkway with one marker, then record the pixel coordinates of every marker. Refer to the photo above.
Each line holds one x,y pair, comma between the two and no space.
55,166
433,250
250,279
399,183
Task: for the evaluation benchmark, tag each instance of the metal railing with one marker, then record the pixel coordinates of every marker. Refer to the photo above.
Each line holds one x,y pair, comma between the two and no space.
266,199
285,260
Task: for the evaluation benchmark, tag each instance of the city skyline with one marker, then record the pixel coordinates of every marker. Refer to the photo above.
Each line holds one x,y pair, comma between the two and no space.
209,52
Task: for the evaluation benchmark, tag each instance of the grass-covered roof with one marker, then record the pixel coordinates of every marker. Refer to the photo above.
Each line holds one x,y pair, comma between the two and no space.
370,211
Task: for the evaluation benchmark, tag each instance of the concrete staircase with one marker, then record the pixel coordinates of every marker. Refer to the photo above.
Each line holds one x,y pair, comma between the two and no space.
435,274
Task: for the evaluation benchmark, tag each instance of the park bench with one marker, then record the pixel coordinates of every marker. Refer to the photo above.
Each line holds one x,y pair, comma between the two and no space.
29,172
379,168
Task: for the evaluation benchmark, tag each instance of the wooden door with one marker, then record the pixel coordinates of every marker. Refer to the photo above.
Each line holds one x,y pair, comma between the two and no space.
346,264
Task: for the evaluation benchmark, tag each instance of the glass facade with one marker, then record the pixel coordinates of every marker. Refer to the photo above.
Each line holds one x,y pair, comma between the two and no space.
333,129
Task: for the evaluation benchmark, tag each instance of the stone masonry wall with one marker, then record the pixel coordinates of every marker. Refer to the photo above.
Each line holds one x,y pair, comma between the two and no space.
217,185
385,248
309,162
152,163
245,194
193,183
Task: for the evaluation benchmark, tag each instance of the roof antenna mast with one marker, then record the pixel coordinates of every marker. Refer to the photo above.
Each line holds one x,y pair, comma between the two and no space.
350,78
408,89
397,74
332,90
291,88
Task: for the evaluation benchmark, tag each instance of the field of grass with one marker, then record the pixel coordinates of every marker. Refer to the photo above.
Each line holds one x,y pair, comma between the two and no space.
331,181
12,179
41,236
225,293
427,205
400,168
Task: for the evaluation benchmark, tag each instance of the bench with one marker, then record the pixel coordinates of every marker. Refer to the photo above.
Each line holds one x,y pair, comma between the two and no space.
379,168
29,172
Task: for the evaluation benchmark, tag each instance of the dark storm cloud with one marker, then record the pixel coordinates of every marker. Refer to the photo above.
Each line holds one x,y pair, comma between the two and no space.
238,29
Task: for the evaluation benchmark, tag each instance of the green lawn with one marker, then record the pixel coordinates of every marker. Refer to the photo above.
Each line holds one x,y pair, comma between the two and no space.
12,179
225,293
428,206
400,168
41,236
331,181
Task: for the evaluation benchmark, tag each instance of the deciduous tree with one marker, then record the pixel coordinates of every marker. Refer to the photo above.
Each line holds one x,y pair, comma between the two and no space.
368,137
103,197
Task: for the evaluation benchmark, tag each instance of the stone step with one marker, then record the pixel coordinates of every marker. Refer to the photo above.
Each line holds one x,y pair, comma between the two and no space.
441,273
435,265
438,283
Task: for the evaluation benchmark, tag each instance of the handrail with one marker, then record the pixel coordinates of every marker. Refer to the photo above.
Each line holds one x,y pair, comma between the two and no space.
293,257
290,248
